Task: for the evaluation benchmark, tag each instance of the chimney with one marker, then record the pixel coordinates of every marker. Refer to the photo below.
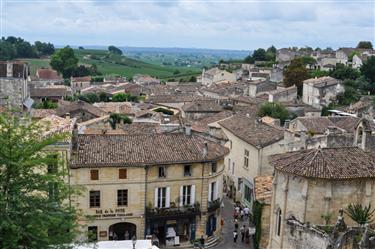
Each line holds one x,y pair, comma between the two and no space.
205,149
75,139
67,116
187,129
9,69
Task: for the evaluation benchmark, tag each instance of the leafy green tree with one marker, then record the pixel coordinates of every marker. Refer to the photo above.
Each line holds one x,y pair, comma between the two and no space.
350,95
35,211
120,97
7,50
295,74
47,104
274,110
114,50
116,118
259,54
368,71
43,48
64,61
364,44
193,79
89,98
103,97
343,72
360,214
308,60
249,59
318,73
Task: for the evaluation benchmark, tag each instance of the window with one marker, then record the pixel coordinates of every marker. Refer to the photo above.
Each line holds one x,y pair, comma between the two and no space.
162,171
213,191
246,159
92,233
94,174
213,167
122,174
187,170
248,193
186,195
94,199
161,197
122,197
278,222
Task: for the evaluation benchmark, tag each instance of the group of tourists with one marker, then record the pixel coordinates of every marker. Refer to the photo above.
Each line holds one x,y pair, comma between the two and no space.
241,213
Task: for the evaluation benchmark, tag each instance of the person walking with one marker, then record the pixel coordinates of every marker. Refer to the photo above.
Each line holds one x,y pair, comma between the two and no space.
242,230
247,236
235,235
236,224
201,242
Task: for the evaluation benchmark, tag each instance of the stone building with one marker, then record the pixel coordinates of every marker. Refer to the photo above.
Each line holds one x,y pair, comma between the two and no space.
311,183
250,142
167,185
215,75
283,94
79,83
319,92
260,86
14,91
200,109
79,109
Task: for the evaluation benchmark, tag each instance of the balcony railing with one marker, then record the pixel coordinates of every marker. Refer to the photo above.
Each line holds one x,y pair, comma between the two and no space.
173,211
214,205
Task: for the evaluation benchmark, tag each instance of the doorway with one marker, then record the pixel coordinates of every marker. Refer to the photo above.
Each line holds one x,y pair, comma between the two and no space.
122,231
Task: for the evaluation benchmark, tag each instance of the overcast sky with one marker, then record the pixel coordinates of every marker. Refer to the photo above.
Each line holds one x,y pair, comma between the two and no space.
238,24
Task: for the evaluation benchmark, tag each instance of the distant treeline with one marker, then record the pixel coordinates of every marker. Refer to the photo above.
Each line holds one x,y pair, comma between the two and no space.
13,47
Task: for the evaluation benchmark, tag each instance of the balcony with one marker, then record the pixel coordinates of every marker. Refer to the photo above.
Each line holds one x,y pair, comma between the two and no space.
214,205
173,211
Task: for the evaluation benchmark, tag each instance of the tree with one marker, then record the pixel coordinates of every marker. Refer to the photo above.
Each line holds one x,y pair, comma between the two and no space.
35,212
114,50
64,61
274,110
368,71
343,72
116,118
249,59
43,48
350,95
295,74
259,54
360,214
364,45
308,60
89,98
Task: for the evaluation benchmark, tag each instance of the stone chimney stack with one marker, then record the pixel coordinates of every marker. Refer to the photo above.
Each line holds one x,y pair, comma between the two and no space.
187,129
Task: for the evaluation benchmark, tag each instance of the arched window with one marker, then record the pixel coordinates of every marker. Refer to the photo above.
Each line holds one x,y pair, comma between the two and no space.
278,222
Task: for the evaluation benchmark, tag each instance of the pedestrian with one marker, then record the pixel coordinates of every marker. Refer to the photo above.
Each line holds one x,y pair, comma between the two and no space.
246,211
247,236
242,214
237,208
242,230
222,205
235,235
236,224
201,242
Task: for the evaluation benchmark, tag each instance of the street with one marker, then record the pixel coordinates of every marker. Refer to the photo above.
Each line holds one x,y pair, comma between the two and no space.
227,233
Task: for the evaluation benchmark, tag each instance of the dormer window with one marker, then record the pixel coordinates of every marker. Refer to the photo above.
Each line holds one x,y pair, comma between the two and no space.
162,172
187,170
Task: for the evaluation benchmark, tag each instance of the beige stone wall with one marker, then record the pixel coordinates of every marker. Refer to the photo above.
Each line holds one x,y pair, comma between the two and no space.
265,224
307,199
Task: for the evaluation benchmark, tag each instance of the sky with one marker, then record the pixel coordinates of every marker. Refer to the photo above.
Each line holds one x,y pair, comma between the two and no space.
219,24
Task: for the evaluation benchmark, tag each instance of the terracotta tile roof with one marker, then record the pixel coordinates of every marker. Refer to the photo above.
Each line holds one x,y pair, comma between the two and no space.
54,124
116,107
320,124
51,91
42,113
324,81
201,125
47,74
252,131
327,163
203,106
144,149
82,79
141,128
69,107
263,188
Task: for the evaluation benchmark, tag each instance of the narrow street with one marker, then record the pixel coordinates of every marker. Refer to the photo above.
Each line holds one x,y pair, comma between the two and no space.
228,229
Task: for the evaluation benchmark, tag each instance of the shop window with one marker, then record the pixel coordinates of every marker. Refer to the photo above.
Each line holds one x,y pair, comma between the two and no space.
92,233
122,174
187,170
94,199
94,174
162,171
122,197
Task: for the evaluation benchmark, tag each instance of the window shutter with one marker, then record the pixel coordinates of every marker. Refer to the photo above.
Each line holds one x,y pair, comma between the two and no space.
156,197
209,192
168,197
216,190
192,196
181,195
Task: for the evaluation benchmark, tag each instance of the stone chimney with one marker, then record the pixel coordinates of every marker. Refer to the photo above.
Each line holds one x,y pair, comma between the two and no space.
187,129
9,69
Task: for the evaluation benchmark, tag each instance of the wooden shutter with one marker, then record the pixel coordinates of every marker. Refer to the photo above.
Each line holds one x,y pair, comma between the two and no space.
192,196
181,195
209,192
168,197
123,174
216,190
94,174
156,198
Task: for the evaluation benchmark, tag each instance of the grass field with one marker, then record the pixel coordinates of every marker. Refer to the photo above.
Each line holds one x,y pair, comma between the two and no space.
108,63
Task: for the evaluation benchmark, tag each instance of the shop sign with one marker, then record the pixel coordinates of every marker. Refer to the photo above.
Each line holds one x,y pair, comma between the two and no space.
103,234
106,213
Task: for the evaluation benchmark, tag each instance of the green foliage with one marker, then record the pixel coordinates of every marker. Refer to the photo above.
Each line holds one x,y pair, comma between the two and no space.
121,97
259,54
116,118
249,59
295,74
368,71
47,104
274,110
360,214
318,73
257,219
35,212
176,71
350,95
163,110
365,45
114,50
43,48
308,60
89,98
64,61
343,72
326,217
325,109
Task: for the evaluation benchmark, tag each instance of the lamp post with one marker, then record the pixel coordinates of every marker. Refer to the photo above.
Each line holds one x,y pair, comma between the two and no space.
134,241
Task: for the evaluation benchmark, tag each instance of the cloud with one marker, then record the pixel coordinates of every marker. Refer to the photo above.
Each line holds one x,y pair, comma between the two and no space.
191,23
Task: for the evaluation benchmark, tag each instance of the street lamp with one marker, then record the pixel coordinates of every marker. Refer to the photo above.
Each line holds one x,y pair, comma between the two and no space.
134,241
